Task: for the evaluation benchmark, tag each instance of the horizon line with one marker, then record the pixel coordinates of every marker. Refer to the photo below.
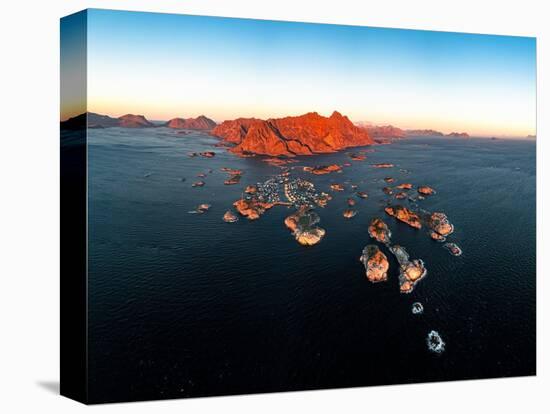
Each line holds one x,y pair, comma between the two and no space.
355,122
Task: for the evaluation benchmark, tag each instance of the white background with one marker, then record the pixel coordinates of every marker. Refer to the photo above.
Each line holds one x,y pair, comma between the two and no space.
29,206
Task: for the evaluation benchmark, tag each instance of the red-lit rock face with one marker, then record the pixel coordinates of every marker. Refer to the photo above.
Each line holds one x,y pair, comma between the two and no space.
405,215
234,131
299,135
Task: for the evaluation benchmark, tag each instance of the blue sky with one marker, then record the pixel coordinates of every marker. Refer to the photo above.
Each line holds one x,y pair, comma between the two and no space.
164,65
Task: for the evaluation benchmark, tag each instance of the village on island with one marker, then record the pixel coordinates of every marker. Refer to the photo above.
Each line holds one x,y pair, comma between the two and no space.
302,195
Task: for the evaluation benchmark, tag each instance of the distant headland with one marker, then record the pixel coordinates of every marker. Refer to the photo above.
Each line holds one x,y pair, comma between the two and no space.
94,120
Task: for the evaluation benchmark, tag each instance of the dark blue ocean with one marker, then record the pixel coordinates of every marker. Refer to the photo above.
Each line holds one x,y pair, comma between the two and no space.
186,305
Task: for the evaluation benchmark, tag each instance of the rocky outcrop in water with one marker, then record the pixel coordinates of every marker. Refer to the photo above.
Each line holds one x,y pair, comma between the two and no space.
207,154
349,213
229,217
376,264
234,175
323,169
201,208
299,135
411,271
383,165
436,236
417,308
302,224
440,224
425,190
453,249
405,215
357,156
251,209
379,231
233,179
435,342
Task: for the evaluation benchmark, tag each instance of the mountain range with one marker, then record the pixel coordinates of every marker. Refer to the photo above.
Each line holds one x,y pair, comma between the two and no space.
199,123
94,120
306,134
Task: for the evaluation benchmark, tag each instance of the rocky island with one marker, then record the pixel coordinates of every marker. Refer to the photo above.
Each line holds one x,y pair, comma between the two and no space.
252,209
379,231
417,308
233,179
229,217
435,342
411,271
234,176
405,215
425,190
207,154
323,169
349,213
453,249
294,135
302,224
201,209
376,264
383,165
440,225
357,156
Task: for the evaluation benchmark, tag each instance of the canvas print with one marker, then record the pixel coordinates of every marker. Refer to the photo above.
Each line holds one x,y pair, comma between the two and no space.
255,206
